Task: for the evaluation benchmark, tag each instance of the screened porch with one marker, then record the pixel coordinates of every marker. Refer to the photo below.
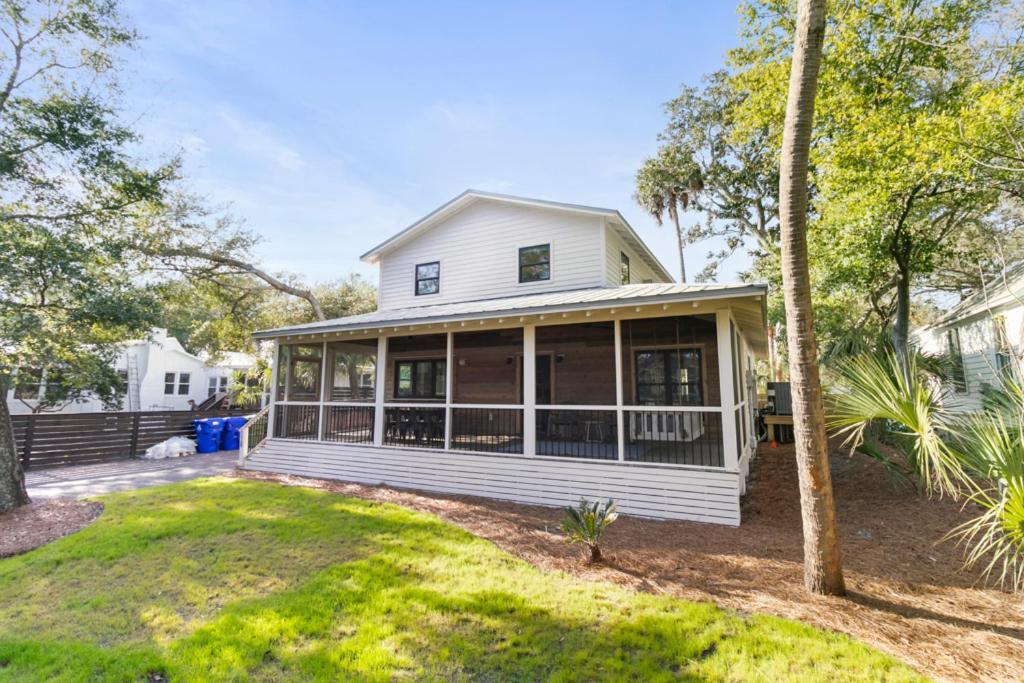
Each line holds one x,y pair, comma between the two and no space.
636,390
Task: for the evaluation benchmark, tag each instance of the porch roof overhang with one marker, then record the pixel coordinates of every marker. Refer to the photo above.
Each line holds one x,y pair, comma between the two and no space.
747,301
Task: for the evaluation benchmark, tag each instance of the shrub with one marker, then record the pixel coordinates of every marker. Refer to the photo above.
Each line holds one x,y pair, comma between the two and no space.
587,522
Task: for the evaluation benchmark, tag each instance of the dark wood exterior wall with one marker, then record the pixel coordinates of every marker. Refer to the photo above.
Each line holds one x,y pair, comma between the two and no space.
487,365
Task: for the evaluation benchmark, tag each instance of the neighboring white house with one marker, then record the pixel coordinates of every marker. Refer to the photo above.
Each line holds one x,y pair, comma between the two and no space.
532,351
985,335
159,374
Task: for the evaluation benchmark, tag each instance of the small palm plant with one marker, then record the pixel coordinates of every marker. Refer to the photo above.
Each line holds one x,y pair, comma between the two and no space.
587,522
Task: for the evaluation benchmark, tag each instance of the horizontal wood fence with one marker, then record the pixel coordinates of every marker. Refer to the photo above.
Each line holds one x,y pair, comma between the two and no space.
61,439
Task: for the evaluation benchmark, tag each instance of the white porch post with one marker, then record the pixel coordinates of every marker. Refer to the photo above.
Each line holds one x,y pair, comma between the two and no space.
529,390
275,368
449,383
379,389
725,388
619,416
324,385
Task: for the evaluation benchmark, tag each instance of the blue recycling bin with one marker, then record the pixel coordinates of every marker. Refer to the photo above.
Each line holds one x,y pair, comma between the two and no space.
208,431
230,437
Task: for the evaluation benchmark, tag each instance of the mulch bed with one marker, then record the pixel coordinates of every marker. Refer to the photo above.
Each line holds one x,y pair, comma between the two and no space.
39,523
907,593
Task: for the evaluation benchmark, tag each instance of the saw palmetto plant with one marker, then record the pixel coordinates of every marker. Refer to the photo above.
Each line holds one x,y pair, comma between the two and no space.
898,418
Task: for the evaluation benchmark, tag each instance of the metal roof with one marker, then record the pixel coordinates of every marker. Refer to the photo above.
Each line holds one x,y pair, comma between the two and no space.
553,302
618,222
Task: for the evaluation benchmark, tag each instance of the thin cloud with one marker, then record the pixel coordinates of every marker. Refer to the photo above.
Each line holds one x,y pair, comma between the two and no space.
259,141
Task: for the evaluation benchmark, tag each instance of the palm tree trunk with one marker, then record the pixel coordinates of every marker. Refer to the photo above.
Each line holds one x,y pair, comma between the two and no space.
12,478
823,572
679,241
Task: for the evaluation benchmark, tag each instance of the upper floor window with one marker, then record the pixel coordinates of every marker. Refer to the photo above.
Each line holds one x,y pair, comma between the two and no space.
535,263
428,278
624,267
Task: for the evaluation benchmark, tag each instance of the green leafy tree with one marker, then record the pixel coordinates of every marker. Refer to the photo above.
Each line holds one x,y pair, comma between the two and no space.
70,195
738,174
664,185
900,195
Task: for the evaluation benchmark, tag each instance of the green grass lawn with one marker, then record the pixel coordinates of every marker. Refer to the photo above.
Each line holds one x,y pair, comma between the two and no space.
223,579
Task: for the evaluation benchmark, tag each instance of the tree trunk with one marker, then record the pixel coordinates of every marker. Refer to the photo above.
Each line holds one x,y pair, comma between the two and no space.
679,241
901,322
823,572
595,554
12,479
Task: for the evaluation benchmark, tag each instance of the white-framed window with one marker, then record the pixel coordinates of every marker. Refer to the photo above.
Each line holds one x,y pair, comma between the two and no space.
535,263
168,383
183,383
623,268
428,278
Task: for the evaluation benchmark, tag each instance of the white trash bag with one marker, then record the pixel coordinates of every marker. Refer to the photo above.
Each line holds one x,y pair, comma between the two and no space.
179,446
175,447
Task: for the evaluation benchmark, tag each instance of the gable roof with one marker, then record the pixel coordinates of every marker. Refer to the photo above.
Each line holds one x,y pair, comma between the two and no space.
1007,290
614,218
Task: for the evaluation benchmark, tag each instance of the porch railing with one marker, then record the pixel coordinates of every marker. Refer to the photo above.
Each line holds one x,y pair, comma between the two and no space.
416,427
578,433
487,430
252,434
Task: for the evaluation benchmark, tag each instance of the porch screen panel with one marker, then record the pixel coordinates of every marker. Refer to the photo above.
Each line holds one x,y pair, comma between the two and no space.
670,361
487,366
576,364
416,368
301,365
352,371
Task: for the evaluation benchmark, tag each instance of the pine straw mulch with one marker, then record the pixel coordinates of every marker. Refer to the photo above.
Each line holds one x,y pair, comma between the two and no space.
39,523
907,595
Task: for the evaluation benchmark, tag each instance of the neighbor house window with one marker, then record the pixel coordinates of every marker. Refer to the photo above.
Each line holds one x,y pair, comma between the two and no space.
624,267
122,376
957,374
535,263
428,278
669,377
217,384
420,379
183,381
168,383
28,384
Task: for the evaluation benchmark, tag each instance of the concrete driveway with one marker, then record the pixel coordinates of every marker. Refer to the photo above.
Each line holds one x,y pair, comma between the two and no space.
83,481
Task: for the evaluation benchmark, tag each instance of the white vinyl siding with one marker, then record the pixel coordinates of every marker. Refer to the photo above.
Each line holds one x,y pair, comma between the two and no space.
639,272
978,345
661,492
478,249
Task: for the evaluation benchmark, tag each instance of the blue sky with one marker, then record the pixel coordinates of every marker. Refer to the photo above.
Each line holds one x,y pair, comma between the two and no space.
327,126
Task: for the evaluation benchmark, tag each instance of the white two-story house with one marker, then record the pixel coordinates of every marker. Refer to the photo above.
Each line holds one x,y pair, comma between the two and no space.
532,351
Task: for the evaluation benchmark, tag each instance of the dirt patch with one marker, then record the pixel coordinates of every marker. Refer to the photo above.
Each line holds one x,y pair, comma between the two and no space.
39,523
907,595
